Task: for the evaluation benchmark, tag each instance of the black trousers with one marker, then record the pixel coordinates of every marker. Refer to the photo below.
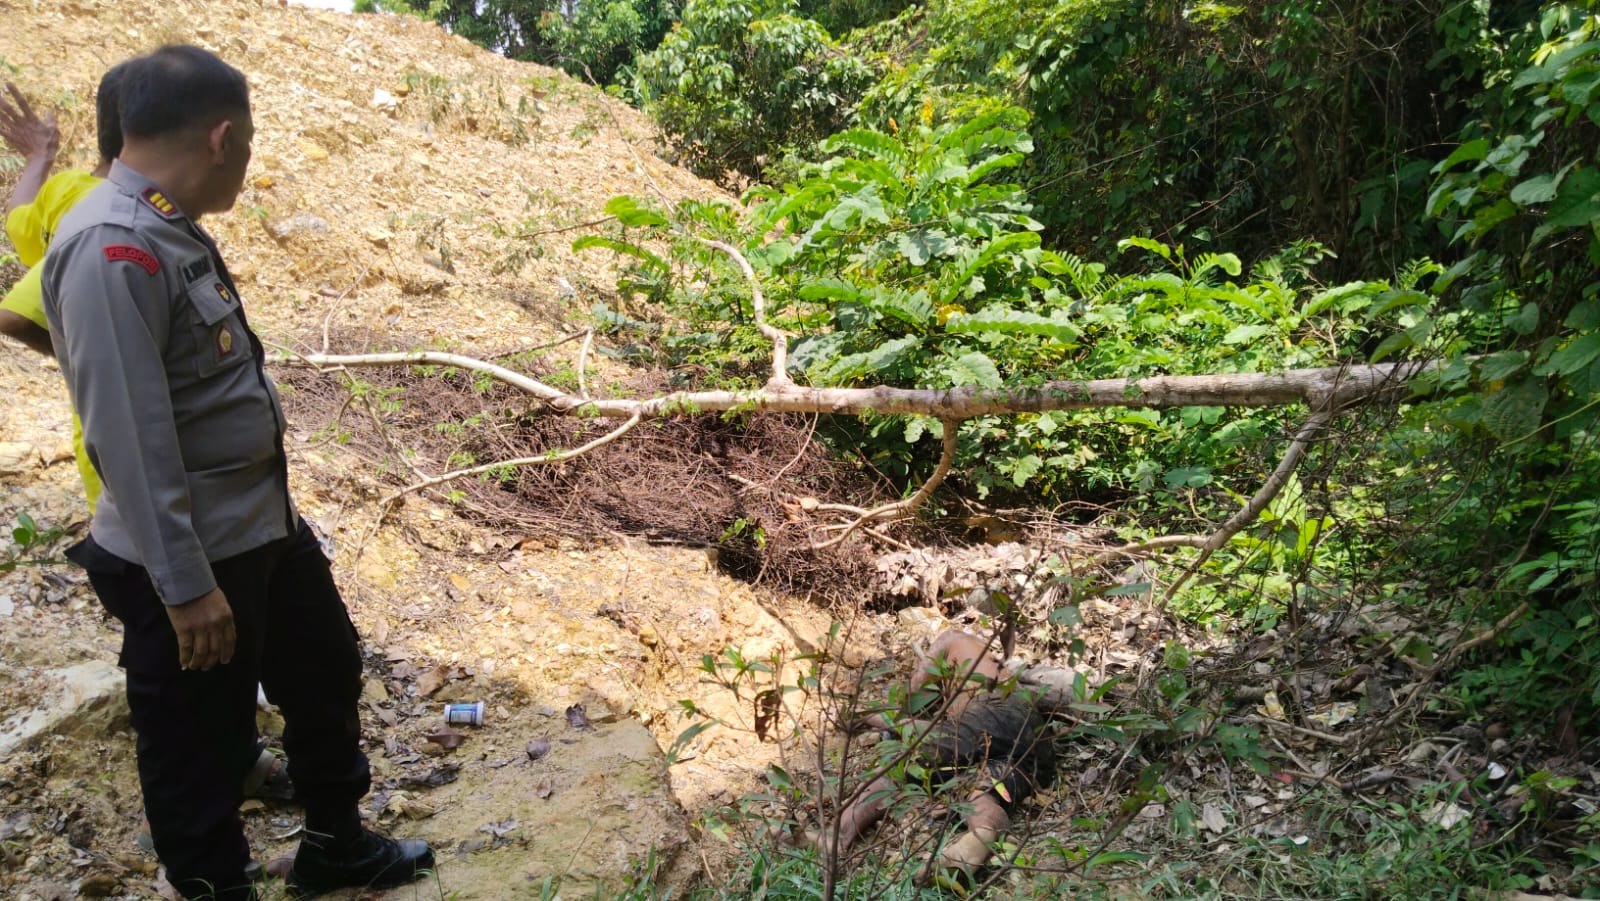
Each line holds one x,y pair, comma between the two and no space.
196,730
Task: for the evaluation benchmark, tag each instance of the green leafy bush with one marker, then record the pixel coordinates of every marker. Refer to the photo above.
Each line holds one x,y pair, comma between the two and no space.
28,540
597,39
601,40
909,258
737,81
1519,312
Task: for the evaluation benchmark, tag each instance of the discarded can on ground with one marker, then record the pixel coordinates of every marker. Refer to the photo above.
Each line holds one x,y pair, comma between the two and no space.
464,714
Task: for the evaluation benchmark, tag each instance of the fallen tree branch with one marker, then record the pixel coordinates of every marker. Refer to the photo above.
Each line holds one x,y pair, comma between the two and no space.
903,508
1443,664
1296,451
1336,386
517,380
1142,548
1309,430
1328,390
1210,544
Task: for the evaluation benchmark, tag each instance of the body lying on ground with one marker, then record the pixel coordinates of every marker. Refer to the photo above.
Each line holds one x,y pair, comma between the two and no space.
972,729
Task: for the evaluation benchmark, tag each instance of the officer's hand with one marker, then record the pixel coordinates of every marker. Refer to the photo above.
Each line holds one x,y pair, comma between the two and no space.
29,135
205,630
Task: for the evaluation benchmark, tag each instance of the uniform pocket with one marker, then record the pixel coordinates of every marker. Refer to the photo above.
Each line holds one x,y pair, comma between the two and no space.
220,339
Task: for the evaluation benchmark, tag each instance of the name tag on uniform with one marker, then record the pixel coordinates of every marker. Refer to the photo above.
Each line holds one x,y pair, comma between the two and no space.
197,270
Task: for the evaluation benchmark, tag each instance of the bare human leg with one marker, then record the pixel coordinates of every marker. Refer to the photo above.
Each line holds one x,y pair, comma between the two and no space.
986,825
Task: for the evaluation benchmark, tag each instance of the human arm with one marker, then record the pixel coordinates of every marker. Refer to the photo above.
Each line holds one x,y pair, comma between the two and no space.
111,318
37,139
33,337
22,313
960,656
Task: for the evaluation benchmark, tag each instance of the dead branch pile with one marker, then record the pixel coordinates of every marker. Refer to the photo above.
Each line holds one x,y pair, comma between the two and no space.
720,482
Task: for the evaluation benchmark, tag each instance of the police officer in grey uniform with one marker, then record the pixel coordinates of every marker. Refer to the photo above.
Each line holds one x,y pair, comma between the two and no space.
196,546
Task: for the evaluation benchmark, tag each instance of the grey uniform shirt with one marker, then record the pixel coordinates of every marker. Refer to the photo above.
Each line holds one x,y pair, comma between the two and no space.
179,417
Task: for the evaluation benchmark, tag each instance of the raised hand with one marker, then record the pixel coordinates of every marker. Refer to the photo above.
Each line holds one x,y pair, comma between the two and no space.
37,139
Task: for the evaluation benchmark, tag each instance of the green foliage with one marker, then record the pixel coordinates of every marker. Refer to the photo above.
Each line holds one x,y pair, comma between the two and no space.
28,538
596,40
1399,851
602,39
1519,317
963,232
1249,125
430,10
841,16
907,258
736,81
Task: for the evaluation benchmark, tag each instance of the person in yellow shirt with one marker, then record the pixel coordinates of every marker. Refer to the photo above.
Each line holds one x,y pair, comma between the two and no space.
36,204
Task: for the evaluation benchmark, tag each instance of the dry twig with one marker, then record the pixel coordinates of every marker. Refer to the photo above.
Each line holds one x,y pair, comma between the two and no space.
550,457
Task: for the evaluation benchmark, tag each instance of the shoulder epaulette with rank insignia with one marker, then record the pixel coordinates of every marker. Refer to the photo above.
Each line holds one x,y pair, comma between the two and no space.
159,202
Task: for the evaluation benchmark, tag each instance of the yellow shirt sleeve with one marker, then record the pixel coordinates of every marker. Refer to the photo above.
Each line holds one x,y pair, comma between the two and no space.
31,226
26,298
26,231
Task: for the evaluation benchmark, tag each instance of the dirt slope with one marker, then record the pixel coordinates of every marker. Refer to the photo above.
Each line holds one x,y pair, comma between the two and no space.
387,150
392,162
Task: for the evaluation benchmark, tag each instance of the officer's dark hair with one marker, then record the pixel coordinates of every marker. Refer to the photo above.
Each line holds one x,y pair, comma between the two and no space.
107,112
179,87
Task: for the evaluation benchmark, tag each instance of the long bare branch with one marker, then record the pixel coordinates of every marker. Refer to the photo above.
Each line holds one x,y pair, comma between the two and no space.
1334,386
1296,452
1403,706
1141,548
1326,390
517,380
1309,430
758,302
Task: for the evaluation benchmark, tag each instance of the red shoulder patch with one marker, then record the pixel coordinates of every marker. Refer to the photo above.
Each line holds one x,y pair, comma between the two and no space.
116,253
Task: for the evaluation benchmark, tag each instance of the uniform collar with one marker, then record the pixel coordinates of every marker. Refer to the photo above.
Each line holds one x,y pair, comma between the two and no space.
134,183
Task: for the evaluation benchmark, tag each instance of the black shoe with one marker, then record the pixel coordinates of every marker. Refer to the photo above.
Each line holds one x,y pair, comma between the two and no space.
372,862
